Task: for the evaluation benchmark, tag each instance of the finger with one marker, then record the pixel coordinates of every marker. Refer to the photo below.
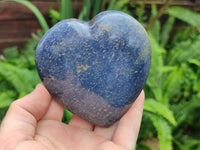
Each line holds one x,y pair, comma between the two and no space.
128,128
78,122
23,114
55,111
21,119
107,133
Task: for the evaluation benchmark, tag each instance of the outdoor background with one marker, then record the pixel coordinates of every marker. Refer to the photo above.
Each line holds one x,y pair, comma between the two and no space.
171,118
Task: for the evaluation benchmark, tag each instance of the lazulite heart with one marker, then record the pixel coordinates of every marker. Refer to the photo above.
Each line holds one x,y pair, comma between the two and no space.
95,69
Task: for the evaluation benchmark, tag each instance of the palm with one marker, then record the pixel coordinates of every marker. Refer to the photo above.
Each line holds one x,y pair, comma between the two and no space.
56,135
36,124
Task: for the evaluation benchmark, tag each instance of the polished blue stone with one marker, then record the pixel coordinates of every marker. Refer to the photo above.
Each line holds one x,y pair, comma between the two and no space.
95,69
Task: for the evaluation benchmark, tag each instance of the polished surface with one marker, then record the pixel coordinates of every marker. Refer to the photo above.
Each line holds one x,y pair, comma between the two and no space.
95,69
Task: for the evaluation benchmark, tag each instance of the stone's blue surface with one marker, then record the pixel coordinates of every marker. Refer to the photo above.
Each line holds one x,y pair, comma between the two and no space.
95,69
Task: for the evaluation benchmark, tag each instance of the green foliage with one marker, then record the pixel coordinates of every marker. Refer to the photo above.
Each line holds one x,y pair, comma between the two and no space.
18,71
20,78
6,98
121,5
186,15
139,12
173,86
158,108
167,27
66,9
54,15
163,132
85,13
18,75
97,6
155,29
67,116
174,80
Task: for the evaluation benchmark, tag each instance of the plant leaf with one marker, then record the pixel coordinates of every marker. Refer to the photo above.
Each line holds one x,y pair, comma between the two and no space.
85,12
97,6
11,52
54,15
67,116
155,29
189,16
21,78
172,84
6,98
195,62
155,80
167,27
121,5
184,109
111,5
163,132
66,9
158,108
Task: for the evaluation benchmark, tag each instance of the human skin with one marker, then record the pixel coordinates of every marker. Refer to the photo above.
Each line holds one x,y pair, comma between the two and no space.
34,122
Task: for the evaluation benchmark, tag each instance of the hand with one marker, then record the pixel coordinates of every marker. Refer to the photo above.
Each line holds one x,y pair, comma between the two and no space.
34,123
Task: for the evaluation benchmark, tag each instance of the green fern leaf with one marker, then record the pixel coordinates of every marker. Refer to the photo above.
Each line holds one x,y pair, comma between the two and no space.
155,80
172,84
180,145
167,27
189,16
163,132
195,62
187,50
155,28
11,52
185,109
23,80
6,98
156,107
54,15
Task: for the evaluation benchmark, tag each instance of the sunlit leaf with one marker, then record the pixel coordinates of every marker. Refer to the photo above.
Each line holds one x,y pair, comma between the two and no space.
160,109
163,132
189,16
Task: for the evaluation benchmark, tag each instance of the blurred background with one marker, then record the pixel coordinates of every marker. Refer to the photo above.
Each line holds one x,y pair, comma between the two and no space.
171,119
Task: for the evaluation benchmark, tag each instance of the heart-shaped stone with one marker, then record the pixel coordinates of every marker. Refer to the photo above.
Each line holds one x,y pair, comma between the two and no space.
95,69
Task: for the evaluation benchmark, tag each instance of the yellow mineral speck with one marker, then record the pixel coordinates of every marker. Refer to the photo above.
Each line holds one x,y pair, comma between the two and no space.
61,55
113,55
78,71
51,77
107,115
81,68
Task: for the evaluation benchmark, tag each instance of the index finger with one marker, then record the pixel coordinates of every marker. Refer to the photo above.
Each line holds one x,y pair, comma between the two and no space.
25,112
